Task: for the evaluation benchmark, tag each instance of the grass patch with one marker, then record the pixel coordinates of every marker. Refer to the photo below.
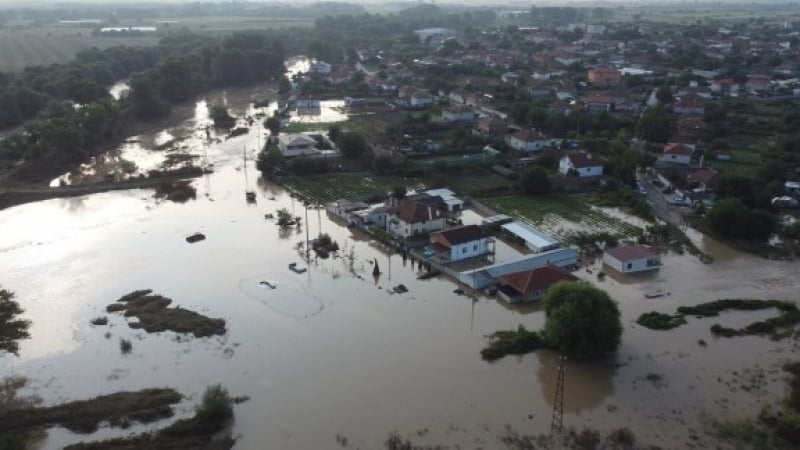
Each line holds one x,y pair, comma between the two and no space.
775,327
659,321
511,342
562,215
84,416
154,315
197,432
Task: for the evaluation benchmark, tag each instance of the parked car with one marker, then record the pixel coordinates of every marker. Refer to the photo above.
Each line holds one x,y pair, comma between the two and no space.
657,183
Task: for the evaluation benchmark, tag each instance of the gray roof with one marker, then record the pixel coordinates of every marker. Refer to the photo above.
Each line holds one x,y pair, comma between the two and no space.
485,276
533,237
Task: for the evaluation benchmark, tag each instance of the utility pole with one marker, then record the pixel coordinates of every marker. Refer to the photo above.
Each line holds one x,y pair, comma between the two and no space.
557,423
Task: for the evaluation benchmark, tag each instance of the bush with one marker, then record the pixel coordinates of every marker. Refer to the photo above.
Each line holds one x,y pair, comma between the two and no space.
659,321
125,346
510,342
216,406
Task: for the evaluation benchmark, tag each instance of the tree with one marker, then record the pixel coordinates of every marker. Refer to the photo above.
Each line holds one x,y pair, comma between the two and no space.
654,125
730,218
273,124
535,181
352,144
664,94
11,328
582,321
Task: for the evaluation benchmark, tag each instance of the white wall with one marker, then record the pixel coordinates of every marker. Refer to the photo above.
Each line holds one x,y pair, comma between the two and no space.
636,265
468,249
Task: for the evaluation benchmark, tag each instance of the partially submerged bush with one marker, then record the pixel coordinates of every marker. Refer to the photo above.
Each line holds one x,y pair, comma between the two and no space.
660,321
510,342
216,406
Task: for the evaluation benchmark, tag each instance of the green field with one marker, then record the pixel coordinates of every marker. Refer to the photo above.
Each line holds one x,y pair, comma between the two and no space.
743,162
27,45
48,45
327,188
561,214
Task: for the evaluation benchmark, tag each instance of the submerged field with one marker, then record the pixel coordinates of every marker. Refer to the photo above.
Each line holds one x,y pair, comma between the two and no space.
562,214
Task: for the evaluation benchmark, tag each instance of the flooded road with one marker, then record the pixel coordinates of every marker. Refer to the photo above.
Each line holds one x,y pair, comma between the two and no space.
332,351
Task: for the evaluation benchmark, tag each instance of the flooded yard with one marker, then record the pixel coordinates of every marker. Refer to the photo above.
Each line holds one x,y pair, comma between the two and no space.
333,351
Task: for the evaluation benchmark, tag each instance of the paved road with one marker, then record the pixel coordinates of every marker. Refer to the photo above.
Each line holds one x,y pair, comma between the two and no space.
661,208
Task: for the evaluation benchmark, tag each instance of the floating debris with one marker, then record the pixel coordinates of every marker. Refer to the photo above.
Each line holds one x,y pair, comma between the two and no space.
400,289
293,267
270,284
195,237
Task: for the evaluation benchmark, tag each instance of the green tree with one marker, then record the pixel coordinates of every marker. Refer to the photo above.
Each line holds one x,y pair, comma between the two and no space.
654,125
582,321
12,329
273,124
352,144
730,218
535,181
664,94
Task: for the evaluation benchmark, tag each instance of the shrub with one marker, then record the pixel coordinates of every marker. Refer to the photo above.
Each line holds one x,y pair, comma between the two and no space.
216,405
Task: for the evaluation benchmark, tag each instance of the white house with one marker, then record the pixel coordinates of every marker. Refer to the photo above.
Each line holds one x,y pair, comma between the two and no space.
585,164
454,204
292,145
306,103
320,68
631,259
414,218
460,243
458,113
375,216
412,97
343,208
676,153
528,141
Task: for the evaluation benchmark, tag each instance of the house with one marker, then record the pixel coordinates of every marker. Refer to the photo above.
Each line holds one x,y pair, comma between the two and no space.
342,208
599,103
792,187
491,127
458,113
510,78
415,217
292,145
758,84
434,36
676,153
306,103
540,88
690,103
566,258
691,125
723,87
414,98
459,243
458,96
449,201
527,141
701,178
531,285
631,259
375,216
585,164
602,76
319,68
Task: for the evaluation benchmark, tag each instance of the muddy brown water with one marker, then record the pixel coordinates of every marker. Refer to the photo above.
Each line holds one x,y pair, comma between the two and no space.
332,351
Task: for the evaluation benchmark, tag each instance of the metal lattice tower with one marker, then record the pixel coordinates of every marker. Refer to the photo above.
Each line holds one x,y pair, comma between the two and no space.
558,404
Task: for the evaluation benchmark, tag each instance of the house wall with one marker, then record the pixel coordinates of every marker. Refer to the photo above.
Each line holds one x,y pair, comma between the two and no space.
590,171
632,266
468,250
677,159
405,230
564,165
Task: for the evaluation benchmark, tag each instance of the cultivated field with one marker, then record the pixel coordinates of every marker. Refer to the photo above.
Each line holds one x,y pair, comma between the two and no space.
327,188
561,214
742,162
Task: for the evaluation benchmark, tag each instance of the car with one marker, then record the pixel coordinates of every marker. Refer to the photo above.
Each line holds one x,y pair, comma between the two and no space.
658,183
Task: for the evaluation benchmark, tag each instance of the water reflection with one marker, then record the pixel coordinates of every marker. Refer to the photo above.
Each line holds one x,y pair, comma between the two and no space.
586,385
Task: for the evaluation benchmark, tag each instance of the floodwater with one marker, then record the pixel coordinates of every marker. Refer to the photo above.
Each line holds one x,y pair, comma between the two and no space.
332,351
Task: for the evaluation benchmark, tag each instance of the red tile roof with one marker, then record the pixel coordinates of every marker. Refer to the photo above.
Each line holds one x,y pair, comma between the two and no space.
536,279
582,160
631,252
677,149
417,212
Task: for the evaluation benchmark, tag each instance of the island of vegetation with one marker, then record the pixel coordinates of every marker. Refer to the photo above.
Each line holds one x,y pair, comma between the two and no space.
154,315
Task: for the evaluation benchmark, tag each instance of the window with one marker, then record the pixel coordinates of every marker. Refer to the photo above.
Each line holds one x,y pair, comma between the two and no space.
475,247
630,265
463,249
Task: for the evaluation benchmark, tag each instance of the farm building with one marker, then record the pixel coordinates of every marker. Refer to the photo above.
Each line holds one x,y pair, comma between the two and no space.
534,239
454,204
460,243
631,259
375,216
292,145
343,208
531,285
565,258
